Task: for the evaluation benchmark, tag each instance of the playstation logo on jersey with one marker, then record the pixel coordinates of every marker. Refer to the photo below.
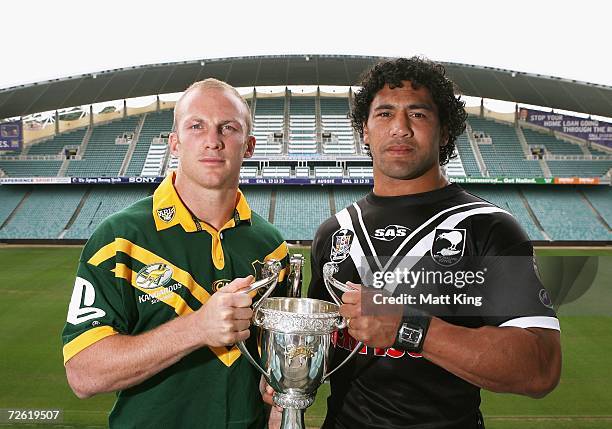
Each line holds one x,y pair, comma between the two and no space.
390,232
166,214
153,276
341,245
448,246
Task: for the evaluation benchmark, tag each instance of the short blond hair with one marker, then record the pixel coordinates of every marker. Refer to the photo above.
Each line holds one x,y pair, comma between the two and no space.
212,83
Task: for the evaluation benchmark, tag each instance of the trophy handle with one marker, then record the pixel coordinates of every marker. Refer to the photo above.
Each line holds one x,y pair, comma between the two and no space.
329,269
271,270
353,353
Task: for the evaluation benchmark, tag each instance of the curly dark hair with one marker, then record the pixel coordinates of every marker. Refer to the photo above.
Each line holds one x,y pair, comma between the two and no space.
421,73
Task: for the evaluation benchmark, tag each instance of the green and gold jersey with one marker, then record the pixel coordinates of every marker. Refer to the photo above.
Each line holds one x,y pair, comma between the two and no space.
155,261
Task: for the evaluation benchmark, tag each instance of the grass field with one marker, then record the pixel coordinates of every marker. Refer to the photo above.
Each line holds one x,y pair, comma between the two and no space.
36,283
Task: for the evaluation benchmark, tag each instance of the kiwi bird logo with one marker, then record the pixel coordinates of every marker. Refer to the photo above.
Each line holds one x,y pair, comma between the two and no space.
448,246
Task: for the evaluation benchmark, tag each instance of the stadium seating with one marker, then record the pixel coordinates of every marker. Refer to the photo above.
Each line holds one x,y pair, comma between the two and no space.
565,215
335,120
101,202
593,168
10,196
504,156
468,160
269,119
292,219
18,168
258,199
54,145
155,123
302,126
45,213
508,198
601,199
344,196
103,156
551,143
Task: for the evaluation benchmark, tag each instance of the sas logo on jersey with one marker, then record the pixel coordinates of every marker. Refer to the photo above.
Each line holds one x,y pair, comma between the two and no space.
166,214
341,245
448,246
390,232
153,276
218,284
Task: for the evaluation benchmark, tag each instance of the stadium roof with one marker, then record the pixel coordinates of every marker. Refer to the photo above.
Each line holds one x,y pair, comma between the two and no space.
336,70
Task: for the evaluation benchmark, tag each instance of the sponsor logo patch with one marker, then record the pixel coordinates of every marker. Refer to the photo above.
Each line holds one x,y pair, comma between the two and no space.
390,232
153,276
166,214
341,245
218,284
448,246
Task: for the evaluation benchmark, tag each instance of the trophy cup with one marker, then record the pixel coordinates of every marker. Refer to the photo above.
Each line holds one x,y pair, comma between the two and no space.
296,345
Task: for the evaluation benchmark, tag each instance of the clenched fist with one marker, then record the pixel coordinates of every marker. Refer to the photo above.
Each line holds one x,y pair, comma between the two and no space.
225,318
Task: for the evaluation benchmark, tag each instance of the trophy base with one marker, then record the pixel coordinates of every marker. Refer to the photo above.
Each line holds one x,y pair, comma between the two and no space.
293,418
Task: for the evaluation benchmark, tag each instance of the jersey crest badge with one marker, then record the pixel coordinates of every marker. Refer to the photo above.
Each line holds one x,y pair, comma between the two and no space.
153,276
166,214
341,245
448,246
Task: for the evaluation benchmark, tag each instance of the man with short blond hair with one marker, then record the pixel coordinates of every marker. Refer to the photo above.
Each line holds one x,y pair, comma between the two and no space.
158,302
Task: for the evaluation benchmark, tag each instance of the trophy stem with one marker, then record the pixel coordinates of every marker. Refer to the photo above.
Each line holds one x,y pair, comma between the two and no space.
293,418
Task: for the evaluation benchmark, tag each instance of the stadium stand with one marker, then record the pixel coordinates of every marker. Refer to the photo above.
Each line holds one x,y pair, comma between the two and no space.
259,199
155,124
551,143
54,145
302,126
565,215
509,198
103,155
45,213
268,120
289,213
470,165
10,196
504,156
27,168
600,198
335,120
102,202
345,196
582,168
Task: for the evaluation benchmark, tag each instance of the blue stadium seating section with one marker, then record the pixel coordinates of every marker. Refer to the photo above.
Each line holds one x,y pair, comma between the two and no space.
45,213
564,212
300,211
593,168
55,145
504,157
30,168
155,123
551,143
258,199
102,156
470,165
565,215
101,203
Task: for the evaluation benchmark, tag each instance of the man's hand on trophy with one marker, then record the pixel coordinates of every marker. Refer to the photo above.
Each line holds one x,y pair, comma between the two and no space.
267,394
376,327
225,318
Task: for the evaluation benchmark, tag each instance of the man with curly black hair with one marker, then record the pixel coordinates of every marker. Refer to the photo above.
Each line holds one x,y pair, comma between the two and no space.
425,360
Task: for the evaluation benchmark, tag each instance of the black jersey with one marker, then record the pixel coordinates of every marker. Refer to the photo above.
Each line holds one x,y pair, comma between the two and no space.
447,229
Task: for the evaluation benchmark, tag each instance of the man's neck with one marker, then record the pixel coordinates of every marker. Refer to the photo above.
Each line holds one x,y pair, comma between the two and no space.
385,186
213,206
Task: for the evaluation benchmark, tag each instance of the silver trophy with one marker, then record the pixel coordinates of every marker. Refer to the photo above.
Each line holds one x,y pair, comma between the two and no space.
296,346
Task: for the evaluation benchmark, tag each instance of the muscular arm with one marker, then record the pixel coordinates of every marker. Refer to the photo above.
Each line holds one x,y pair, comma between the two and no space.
121,361
508,360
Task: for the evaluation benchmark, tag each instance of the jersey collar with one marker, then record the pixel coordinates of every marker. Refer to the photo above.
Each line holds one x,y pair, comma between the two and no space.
169,210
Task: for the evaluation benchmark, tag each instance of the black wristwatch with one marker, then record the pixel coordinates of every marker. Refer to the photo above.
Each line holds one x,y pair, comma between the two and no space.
412,331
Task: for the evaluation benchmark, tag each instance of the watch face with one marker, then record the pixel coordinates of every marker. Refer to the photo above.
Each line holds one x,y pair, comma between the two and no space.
410,335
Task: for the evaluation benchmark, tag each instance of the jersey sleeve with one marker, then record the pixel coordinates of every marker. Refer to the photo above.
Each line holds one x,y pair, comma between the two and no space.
96,309
513,293
319,255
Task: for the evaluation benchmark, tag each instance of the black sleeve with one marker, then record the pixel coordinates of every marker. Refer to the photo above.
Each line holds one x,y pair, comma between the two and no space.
319,255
